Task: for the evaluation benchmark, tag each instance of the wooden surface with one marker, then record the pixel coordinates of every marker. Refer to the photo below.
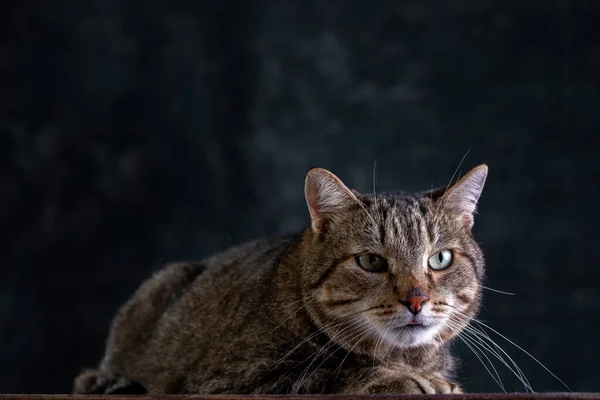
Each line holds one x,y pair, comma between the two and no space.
469,396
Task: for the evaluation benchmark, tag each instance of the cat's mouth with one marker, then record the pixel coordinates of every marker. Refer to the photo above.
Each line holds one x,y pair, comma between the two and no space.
410,330
414,324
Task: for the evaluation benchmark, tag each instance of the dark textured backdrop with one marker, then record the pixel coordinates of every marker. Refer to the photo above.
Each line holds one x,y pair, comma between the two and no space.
137,132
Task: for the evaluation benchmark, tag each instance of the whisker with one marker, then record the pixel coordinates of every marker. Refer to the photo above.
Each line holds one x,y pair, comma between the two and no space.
431,192
349,330
365,334
369,332
317,353
377,205
496,378
318,332
365,210
392,348
515,370
514,344
480,336
439,335
297,301
379,342
294,313
526,352
452,178
375,182
497,291
457,168
303,378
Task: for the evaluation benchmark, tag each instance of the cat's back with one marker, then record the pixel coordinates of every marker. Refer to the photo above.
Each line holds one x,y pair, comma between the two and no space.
262,251
192,301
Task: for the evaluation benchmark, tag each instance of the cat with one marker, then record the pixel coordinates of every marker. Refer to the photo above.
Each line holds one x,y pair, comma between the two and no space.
365,300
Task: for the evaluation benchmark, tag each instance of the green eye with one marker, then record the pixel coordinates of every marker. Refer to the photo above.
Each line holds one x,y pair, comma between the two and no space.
371,262
440,260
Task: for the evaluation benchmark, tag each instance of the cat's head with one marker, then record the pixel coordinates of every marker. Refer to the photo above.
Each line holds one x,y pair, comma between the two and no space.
400,269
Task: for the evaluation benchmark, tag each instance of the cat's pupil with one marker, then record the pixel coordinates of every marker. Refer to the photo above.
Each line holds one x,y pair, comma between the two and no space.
371,262
440,257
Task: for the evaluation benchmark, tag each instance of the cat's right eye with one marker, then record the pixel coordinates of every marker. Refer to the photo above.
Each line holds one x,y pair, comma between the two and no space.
440,260
371,262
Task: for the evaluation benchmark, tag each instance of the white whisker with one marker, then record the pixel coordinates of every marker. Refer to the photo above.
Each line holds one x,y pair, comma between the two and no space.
377,205
451,179
379,342
303,378
496,378
309,337
497,291
331,325
365,210
514,344
294,313
475,336
392,348
369,332
524,351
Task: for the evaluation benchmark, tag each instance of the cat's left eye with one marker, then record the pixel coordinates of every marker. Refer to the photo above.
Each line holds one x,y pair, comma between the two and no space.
371,262
440,260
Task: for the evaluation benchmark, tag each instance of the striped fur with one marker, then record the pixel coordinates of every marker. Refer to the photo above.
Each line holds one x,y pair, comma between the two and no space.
298,314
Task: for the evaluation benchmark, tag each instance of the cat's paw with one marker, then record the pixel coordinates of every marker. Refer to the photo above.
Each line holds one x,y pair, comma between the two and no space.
444,386
96,382
414,384
88,382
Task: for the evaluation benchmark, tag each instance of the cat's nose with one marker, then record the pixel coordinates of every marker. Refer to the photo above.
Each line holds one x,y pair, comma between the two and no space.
414,300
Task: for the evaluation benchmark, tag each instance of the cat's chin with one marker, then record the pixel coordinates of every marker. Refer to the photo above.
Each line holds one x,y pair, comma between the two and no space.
410,335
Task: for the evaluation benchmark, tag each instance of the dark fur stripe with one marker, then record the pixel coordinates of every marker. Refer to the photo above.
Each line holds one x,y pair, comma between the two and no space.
326,274
342,302
473,265
190,272
423,209
421,388
382,225
464,298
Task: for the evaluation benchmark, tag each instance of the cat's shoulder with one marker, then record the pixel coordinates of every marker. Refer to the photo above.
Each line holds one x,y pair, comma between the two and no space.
262,248
259,250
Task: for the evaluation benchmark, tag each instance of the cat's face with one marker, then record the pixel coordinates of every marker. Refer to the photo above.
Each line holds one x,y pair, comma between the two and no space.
395,269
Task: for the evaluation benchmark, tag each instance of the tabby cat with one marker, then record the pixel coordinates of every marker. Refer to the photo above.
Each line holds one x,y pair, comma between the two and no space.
365,300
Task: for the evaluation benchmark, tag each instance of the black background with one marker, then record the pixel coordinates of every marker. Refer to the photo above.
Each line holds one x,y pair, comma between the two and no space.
139,132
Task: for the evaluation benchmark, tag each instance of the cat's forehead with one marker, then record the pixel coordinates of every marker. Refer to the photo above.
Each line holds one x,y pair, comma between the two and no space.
399,201
403,207
401,223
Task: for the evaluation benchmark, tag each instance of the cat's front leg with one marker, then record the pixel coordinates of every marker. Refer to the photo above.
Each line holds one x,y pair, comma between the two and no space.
412,383
389,381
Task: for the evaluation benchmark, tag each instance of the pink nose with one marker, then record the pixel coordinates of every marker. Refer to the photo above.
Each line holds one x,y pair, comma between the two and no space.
414,301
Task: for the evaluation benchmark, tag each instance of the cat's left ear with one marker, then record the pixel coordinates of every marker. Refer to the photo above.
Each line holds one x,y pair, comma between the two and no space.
461,199
326,196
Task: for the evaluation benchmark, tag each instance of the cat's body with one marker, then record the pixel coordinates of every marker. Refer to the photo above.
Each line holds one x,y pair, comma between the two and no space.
314,312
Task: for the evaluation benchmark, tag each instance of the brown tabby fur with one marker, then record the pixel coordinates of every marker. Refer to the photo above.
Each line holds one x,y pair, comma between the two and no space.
297,314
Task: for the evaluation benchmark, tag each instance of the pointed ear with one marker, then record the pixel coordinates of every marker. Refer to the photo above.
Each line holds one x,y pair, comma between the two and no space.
461,199
325,195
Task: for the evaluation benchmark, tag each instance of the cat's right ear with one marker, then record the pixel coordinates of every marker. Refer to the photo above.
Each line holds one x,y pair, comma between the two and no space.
326,196
461,198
